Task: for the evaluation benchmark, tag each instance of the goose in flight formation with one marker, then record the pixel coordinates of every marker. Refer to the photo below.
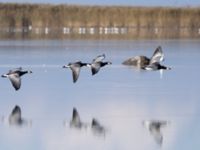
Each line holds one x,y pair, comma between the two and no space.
155,60
15,77
97,63
76,121
97,128
154,128
75,68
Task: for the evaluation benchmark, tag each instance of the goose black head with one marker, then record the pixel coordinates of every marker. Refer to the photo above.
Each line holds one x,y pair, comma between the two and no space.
67,66
4,75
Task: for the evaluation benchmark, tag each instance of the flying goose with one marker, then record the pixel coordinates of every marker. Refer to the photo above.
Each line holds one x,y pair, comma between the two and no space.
97,63
15,77
154,63
97,128
75,67
155,60
154,127
76,121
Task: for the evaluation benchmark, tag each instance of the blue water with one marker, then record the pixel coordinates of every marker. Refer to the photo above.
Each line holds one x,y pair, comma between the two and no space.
120,97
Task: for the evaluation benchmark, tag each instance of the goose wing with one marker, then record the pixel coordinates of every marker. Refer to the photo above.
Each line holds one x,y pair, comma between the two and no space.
15,80
99,58
75,72
95,67
19,69
15,70
158,55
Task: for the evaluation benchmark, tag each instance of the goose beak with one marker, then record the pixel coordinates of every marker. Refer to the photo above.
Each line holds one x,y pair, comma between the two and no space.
30,71
66,66
4,76
168,68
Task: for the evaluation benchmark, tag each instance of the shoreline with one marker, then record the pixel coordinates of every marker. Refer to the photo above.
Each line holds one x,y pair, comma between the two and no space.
38,21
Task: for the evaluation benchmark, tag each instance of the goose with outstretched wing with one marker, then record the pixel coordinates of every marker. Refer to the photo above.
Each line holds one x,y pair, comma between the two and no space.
15,77
97,63
75,68
155,61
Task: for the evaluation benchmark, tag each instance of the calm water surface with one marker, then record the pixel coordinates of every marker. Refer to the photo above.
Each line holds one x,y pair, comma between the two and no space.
119,97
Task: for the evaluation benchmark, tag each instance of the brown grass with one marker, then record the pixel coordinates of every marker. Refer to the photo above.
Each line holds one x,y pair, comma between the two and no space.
144,19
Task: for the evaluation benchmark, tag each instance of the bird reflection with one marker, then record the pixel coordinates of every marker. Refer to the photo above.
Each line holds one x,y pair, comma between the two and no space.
97,128
154,127
15,118
76,121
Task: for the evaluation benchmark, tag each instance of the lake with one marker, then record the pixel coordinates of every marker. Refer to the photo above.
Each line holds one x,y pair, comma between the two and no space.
120,97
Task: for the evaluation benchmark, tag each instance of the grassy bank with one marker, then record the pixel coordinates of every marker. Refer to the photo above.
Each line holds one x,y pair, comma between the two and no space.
140,22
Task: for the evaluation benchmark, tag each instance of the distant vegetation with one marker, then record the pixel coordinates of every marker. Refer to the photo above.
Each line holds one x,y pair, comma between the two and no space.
140,22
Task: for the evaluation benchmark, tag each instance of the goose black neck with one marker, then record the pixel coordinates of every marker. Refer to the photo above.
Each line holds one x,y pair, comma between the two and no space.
83,64
21,73
104,63
162,67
